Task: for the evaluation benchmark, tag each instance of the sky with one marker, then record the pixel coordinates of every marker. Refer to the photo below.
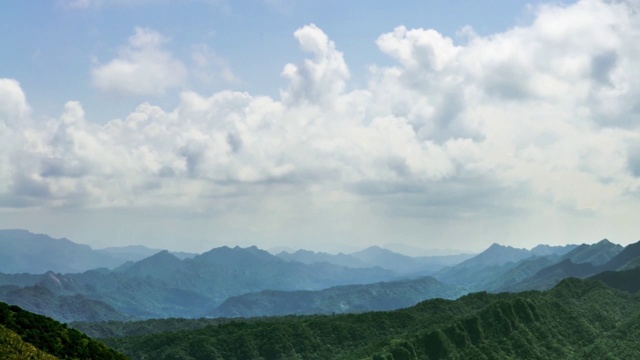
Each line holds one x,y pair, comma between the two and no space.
323,125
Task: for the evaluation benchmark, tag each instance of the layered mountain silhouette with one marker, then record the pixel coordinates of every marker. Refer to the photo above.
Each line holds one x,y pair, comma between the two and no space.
500,265
163,285
336,300
24,252
236,281
375,256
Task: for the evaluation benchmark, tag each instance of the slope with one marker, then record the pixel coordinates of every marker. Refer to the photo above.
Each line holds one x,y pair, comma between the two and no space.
40,300
48,337
479,272
25,252
583,261
336,300
567,322
625,280
12,347
596,254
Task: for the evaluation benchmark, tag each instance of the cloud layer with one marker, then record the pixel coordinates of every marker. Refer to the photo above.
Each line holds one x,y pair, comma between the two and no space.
542,118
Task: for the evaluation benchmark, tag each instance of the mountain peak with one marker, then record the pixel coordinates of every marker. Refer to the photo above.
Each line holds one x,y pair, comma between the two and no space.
163,254
630,253
497,254
235,257
497,246
24,251
596,254
161,262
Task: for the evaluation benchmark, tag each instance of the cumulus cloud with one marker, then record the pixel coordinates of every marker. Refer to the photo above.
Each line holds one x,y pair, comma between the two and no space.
318,79
13,102
143,67
538,117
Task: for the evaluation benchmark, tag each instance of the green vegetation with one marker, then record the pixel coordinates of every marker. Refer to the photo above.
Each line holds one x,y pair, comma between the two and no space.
578,319
24,335
113,329
12,347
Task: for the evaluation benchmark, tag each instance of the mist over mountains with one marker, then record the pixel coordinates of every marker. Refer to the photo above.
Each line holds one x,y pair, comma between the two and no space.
73,282
24,252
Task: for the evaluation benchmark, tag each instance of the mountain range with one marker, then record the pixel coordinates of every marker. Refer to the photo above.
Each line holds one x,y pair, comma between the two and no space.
242,282
24,252
375,256
336,300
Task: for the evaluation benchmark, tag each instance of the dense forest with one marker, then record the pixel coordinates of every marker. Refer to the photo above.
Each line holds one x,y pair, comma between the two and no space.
25,335
578,319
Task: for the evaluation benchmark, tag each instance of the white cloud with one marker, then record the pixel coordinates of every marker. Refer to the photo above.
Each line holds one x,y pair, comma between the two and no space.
143,67
13,102
211,68
538,122
319,79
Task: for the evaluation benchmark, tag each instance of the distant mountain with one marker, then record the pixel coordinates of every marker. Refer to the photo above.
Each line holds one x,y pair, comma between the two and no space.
626,280
415,251
163,285
139,252
40,300
583,261
312,257
546,250
223,272
596,254
625,258
550,276
25,335
335,300
376,256
480,270
129,253
387,259
25,252
504,268
511,274
158,265
497,254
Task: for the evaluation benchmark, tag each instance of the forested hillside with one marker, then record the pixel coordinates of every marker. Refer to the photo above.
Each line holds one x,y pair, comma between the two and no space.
578,319
12,347
24,335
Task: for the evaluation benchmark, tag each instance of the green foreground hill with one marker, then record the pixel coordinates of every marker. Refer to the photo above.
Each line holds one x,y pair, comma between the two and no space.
25,335
578,319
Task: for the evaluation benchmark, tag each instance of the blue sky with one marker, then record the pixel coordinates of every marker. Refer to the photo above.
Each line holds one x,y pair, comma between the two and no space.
327,125
52,45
